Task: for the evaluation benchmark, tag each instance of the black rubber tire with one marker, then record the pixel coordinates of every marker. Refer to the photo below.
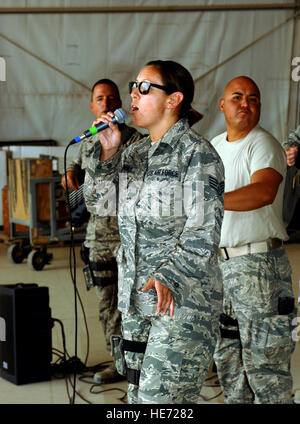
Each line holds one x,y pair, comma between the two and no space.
36,260
16,254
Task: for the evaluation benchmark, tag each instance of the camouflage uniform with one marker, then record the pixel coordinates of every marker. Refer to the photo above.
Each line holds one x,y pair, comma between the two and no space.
254,351
292,183
177,249
103,241
252,357
293,139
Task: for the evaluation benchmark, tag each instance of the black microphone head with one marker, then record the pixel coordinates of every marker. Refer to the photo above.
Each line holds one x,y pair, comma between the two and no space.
120,116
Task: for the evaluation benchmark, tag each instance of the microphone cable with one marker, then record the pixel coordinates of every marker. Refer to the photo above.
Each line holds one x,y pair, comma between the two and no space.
120,118
72,260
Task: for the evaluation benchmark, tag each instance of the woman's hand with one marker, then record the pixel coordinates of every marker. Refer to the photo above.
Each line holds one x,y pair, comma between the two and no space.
110,138
164,296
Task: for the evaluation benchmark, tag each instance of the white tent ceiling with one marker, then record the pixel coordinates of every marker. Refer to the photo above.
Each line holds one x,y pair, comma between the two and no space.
52,58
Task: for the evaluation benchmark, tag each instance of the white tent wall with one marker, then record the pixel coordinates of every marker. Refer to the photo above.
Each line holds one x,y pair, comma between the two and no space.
294,100
52,60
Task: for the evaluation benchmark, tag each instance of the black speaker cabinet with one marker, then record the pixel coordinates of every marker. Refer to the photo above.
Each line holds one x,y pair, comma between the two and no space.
25,333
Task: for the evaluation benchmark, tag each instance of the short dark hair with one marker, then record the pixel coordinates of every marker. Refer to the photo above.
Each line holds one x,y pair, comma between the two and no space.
108,82
176,78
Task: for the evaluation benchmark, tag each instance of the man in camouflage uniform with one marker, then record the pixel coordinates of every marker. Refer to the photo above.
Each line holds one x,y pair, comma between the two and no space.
291,146
102,239
292,186
166,358
254,350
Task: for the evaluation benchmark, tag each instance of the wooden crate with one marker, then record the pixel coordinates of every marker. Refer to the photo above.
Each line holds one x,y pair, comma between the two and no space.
21,171
4,156
5,214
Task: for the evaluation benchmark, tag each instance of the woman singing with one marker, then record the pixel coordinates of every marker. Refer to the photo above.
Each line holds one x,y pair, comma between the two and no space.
169,189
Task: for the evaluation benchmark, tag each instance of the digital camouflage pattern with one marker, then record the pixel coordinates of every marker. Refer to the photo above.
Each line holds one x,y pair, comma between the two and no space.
293,138
102,232
169,196
254,365
292,183
102,237
176,250
118,354
177,359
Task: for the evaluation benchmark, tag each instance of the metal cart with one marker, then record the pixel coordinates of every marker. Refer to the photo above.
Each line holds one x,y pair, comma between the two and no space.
32,244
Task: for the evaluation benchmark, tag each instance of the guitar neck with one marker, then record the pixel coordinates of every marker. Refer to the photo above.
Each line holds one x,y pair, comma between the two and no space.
76,197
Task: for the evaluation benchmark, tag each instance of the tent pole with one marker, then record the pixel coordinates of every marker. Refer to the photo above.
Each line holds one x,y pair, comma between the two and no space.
151,9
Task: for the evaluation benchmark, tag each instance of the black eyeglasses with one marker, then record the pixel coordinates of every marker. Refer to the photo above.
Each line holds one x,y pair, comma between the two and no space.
144,87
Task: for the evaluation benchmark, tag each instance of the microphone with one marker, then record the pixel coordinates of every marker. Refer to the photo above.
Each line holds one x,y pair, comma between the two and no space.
119,118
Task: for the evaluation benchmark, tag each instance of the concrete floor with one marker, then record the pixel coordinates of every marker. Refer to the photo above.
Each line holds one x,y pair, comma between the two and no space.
56,277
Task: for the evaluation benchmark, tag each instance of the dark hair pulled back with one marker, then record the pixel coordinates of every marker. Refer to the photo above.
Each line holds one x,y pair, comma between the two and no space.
177,78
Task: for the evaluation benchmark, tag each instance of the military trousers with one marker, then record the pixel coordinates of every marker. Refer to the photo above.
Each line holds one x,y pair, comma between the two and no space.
177,357
254,350
109,314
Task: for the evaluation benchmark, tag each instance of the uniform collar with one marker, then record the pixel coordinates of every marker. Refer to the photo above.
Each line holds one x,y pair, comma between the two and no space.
172,136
